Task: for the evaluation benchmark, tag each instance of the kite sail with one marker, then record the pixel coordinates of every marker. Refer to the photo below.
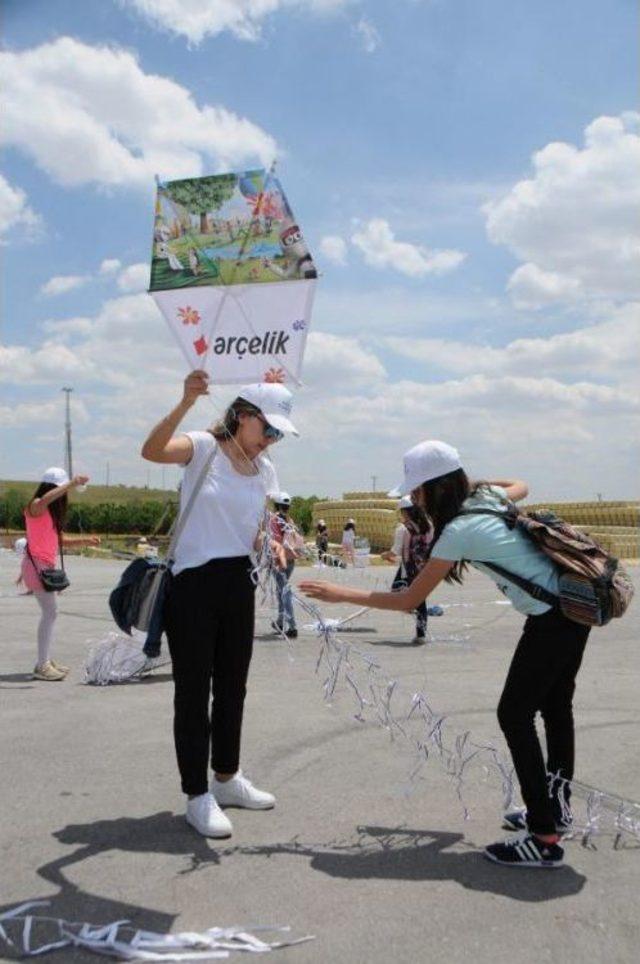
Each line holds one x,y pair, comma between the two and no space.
232,275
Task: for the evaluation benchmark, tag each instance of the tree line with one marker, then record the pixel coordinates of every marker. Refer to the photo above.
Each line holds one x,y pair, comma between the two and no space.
145,518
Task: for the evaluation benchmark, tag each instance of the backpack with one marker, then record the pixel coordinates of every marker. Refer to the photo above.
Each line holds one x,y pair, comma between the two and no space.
417,550
593,587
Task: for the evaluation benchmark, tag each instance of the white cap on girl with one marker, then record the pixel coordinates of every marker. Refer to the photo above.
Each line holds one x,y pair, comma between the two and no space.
425,461
55,476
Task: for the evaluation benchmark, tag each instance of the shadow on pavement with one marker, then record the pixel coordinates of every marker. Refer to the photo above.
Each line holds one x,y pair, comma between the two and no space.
14,678
399,854
162,832
383,853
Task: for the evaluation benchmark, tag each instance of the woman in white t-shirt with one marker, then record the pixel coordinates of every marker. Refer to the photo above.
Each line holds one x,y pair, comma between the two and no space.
543,670
209,614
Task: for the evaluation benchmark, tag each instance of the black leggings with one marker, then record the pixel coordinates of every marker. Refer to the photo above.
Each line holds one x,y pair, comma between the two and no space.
209,621
542,679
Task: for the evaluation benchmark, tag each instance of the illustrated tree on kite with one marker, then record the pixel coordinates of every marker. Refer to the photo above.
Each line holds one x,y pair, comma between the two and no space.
203,195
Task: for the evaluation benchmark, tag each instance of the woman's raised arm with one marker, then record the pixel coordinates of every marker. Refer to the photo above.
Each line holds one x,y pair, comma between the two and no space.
160,445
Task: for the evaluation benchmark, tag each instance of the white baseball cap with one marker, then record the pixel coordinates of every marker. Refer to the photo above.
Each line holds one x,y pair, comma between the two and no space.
405,502
281,498
321,522
55,476
425,461
274,401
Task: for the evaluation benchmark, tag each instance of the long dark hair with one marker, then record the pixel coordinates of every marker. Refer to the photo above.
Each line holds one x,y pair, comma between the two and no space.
442,499
230,421
58,508
418,519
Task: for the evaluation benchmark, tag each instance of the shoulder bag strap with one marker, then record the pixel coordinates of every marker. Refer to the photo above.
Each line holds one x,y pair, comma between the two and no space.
532,588
60,549
181,521
33,562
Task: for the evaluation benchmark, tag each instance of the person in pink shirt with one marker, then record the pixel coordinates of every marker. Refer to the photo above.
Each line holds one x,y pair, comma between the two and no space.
44,520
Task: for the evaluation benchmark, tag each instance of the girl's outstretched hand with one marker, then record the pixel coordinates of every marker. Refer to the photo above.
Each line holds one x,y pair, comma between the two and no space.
325,591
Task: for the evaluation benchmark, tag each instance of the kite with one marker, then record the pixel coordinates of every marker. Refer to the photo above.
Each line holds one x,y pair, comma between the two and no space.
232,275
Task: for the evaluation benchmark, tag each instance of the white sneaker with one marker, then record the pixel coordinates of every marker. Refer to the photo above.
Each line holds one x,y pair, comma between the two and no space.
240,792
205,815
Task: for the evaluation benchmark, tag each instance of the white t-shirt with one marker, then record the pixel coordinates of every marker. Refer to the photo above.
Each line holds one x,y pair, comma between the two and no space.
486,538
226,515
398,540
348,538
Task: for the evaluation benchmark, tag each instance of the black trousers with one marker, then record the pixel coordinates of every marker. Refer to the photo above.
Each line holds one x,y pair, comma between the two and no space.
401,581
542,678
209,619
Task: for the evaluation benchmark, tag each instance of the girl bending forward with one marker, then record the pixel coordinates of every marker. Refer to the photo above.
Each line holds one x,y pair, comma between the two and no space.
543,670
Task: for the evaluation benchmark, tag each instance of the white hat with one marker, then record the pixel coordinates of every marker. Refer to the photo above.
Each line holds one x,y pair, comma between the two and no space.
425,461
274,401
405,502
352,521
321,522
55,476
281,498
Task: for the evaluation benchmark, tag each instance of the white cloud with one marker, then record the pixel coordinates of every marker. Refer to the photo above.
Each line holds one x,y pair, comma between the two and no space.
90,114
576,222
560,411
52,361
197,19
368,35
14,209
134,278
110,266
67,327
332,360
531,287
40,413
63,283
380,249
334,248
605,350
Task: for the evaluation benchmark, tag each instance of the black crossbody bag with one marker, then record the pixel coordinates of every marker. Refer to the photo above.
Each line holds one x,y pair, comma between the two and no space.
52,579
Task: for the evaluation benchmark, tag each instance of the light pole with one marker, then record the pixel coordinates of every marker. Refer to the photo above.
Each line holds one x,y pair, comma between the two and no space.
67,426
374,479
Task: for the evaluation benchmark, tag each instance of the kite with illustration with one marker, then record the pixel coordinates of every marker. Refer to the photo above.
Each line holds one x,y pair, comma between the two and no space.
232,275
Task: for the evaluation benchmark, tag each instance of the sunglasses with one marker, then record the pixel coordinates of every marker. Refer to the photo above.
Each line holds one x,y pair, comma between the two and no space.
273,434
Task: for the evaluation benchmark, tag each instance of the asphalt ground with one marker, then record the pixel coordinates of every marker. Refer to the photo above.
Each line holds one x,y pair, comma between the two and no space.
379,867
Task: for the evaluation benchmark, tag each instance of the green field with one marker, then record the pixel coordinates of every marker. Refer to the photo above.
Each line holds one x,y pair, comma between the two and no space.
95,494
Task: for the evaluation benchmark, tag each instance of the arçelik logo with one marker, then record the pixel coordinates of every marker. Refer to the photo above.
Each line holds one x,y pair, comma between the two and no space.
271,343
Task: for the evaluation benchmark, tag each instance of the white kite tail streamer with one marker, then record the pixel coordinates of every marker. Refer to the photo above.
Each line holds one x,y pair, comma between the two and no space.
118,659
429,735
119,939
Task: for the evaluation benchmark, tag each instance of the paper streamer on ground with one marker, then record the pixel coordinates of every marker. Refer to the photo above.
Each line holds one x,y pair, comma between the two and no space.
32,935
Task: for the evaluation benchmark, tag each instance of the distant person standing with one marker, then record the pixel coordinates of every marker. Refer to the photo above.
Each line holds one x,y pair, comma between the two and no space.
45,517
349,542
412,539
285,534
322,540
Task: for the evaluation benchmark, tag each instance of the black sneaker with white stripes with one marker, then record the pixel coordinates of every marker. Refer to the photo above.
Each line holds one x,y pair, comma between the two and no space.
525,850
517,820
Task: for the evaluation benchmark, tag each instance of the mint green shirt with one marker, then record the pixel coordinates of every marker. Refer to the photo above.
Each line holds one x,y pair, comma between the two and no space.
486,538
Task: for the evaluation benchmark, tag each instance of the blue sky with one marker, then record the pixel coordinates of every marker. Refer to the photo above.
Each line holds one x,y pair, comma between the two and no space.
413,122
